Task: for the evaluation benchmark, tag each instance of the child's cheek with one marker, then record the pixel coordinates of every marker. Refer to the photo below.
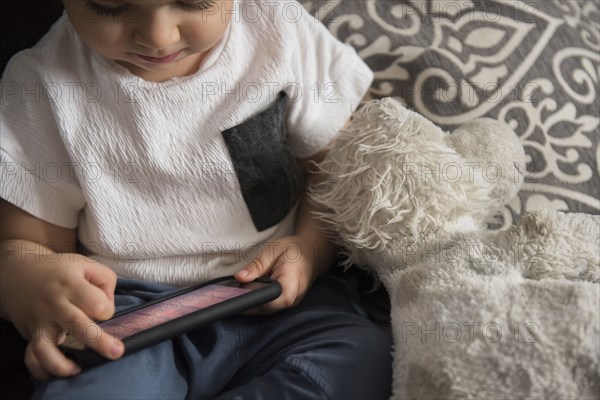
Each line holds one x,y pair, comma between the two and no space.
109,40
202,33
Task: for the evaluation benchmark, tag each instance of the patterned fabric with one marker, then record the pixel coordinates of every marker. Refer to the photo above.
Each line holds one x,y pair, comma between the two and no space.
532,64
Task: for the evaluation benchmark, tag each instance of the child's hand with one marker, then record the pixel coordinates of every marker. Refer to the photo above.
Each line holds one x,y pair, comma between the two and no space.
288,260
49,297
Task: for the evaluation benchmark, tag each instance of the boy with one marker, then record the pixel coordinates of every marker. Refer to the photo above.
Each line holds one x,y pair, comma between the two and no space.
164,139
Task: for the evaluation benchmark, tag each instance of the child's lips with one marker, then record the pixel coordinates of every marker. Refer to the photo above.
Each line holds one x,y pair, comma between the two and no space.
159,60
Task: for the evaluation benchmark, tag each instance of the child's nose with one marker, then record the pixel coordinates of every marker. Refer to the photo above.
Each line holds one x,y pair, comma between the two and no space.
157,30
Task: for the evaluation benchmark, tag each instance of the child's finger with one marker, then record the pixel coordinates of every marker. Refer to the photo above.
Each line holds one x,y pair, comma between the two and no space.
82,330
258,267
45,359
100,276
34,366
290,291
93,302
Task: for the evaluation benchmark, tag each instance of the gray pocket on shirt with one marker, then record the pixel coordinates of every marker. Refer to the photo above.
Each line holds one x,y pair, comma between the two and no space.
270,178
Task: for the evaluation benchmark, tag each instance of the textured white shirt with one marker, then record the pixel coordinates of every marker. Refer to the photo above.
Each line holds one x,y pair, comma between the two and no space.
142,169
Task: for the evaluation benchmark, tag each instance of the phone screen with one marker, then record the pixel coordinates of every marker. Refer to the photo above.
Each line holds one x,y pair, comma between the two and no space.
144,318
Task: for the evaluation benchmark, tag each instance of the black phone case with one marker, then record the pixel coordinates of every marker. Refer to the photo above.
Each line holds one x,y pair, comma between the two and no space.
88,358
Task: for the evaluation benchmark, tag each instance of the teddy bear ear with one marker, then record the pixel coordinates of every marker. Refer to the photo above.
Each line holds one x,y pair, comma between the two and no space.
385,113
497,152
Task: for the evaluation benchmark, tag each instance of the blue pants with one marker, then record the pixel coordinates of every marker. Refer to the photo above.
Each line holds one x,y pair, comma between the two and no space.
324,348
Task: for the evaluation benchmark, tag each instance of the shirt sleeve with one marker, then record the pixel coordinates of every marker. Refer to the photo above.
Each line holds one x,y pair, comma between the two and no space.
328,81
37,174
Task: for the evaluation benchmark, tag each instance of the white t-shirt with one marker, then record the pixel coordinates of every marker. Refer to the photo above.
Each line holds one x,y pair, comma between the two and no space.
162,179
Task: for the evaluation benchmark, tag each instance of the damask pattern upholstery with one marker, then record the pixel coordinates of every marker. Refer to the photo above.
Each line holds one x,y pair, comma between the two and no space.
532,64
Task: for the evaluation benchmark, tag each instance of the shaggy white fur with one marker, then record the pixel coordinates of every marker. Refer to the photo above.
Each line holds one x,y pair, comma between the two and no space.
407,178
475,314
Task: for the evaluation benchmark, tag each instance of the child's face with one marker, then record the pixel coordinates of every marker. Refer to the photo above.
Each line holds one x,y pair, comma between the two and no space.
154,39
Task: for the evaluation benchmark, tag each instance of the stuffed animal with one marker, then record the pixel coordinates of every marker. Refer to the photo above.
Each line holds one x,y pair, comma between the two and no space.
475,313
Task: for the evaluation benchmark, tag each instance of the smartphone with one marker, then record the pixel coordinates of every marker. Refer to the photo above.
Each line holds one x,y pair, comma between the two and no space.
174,314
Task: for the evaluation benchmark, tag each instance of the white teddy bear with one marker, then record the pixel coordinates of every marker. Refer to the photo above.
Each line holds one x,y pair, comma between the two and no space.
475,313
